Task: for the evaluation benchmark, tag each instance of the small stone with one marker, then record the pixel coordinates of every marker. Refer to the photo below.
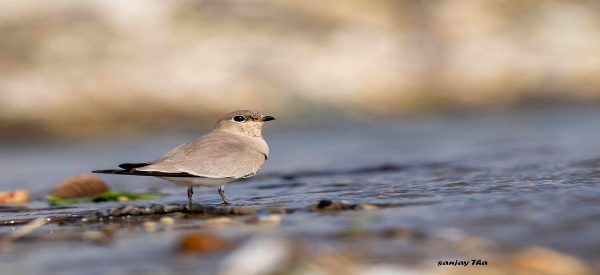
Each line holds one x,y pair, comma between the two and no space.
366,207
83,185
259,255
97,236
199,242
326,205
274,218
217,221
167,221
149,226
171,208
540,260
18,196
122,199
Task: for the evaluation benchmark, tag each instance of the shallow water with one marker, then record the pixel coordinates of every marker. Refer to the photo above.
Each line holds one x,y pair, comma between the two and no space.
516,180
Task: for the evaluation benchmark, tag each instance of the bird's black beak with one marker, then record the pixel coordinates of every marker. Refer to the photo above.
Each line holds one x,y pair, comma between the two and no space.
267,118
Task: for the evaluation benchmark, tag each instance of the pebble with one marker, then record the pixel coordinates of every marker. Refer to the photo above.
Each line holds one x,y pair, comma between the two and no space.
83,185
122,199
326,205
540,260
366,207
18,196
329,205
167,221
200,242
149,226
217,221
259,255
273,218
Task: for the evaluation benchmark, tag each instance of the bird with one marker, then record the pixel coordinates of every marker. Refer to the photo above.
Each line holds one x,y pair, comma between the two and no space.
234,149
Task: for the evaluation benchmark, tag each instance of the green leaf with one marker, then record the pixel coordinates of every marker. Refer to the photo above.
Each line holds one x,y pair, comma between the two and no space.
61,201
106,196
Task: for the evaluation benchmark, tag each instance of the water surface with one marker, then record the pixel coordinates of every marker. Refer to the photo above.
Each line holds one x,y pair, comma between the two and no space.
516,180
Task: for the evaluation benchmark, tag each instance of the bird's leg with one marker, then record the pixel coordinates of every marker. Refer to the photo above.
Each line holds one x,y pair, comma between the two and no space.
190,194
222,193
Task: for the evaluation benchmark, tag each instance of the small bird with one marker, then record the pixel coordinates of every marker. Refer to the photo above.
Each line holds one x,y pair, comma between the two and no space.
233,150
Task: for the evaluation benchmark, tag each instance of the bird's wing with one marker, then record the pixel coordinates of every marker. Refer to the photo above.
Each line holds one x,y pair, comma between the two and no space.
215,155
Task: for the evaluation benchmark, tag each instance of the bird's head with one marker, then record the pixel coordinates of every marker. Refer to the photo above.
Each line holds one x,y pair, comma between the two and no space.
243,122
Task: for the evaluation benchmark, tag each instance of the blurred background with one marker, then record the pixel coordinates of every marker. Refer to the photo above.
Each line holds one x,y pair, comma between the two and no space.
94,68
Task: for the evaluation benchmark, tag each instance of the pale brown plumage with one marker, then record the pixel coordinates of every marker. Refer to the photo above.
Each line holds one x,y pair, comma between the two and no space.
218,154
234,149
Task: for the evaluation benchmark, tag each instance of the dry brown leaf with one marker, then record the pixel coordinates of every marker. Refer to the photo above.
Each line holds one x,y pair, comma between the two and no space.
84,185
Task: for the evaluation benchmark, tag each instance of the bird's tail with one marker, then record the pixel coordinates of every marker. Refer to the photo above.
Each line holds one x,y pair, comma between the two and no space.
144,173
127,169
112,171
129,166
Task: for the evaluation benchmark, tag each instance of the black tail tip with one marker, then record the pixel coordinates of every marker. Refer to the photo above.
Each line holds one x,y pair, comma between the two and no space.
128,166
109,171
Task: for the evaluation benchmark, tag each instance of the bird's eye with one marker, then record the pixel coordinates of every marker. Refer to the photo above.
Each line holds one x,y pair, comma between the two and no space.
239,118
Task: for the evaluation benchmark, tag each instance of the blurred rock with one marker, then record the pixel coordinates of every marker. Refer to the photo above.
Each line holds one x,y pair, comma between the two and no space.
329,205
84,185
271,218
167,221
199,242
540,260
259,255
366,207
150,226
218,221
122,199
18,196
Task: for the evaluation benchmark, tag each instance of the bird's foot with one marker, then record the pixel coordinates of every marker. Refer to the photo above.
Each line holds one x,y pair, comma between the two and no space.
190,193
222,194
